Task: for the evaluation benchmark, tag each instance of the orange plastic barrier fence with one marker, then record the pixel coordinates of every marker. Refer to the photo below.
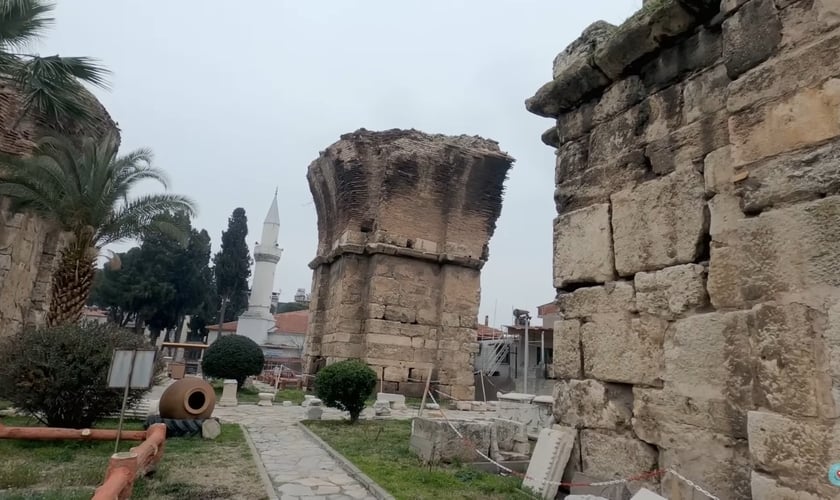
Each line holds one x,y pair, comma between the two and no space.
125,467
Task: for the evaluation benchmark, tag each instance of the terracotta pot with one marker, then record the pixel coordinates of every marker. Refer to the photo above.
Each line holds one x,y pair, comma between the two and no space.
188,398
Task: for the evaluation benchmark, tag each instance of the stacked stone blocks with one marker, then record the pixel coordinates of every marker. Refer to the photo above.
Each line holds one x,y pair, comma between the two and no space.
404,221
697,261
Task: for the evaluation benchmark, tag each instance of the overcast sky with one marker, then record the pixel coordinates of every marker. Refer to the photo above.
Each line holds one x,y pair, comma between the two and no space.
236,98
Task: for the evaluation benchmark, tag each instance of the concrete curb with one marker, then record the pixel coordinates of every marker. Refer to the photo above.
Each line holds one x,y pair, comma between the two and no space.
351,469
267,484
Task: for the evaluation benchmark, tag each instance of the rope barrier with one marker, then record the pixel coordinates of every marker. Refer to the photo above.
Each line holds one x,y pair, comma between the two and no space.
637,477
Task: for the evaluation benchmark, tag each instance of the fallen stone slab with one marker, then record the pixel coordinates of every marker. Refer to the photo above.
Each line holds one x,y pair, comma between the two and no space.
554,447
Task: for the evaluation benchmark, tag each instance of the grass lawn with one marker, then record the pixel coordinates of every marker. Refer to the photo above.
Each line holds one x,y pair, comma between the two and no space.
191,467
380,450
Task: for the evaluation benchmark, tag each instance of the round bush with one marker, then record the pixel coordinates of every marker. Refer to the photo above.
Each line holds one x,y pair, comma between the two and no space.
60,374
346,385
233,357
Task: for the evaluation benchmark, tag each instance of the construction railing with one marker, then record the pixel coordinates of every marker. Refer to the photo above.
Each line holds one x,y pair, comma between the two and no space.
125,467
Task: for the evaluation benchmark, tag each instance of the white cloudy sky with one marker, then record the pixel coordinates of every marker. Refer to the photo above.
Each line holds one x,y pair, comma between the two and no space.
236,98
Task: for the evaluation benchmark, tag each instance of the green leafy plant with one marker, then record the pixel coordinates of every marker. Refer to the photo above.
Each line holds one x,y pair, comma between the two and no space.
346,385
233,357
59,375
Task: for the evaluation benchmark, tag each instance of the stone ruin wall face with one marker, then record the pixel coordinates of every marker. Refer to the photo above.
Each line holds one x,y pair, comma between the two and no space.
29,247
404,221
697,246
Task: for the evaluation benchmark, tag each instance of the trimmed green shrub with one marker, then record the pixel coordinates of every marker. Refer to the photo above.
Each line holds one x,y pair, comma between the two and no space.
60,374
346,385
233,357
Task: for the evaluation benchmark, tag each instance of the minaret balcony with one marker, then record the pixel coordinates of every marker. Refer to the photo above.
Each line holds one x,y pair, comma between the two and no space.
265,253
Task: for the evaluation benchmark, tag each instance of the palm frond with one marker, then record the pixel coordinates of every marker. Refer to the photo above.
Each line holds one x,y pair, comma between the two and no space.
135,217
22,21
50,87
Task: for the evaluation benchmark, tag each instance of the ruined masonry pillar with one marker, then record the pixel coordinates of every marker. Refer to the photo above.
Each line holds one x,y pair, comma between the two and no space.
404,221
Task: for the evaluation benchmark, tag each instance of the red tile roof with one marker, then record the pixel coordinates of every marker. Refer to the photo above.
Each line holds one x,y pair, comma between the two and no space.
289,322
488,332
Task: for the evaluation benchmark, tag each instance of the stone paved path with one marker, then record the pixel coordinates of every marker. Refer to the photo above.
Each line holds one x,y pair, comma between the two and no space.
298,468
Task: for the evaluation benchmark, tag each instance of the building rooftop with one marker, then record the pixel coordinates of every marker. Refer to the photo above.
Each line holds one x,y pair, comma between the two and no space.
294,322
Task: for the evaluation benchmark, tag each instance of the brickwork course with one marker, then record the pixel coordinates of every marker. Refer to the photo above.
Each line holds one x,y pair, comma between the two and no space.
696,245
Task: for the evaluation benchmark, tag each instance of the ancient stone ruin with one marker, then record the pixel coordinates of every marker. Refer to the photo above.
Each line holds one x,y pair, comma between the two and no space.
697,245
28,246
404,220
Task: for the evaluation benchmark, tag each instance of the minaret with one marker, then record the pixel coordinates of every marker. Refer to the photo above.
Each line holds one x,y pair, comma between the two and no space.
258,321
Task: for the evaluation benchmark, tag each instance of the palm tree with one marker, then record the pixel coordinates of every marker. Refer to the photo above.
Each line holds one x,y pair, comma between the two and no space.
50,87
83,189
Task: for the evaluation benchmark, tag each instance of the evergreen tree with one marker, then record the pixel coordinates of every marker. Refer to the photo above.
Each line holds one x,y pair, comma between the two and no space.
232,268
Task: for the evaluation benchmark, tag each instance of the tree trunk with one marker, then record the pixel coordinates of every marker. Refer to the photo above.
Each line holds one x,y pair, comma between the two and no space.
71,284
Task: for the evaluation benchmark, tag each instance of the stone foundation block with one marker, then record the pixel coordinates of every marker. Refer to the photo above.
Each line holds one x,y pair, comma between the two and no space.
612,297
592,404
612,455
797,452
622,348
434,440
567,355
672,292
659,223
792,374
705,94
707,358
583,247
593,183
720,464
767,488
779,252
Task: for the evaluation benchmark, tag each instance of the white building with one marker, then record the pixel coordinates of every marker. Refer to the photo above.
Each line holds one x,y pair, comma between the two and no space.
257,321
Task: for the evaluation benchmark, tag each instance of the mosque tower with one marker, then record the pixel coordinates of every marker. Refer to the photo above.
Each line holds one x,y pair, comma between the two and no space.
257,322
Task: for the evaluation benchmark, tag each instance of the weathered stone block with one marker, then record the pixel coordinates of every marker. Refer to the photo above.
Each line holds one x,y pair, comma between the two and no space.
724,214
619,97
698,51
722,463
583,247
792,375
791,178
685,148
802,67
798,451
621,348
659,223
594,183
766,488
590,39
671,292
803,21
750,36
641,35
612,297
567,361
616,137
705,94
707,356
577,122
663,112
780,251
718,171
661,414
593,404
435,441
612,455
800,119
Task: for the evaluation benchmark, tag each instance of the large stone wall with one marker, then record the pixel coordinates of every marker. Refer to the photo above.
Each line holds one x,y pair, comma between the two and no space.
697,245
28,246
404,221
